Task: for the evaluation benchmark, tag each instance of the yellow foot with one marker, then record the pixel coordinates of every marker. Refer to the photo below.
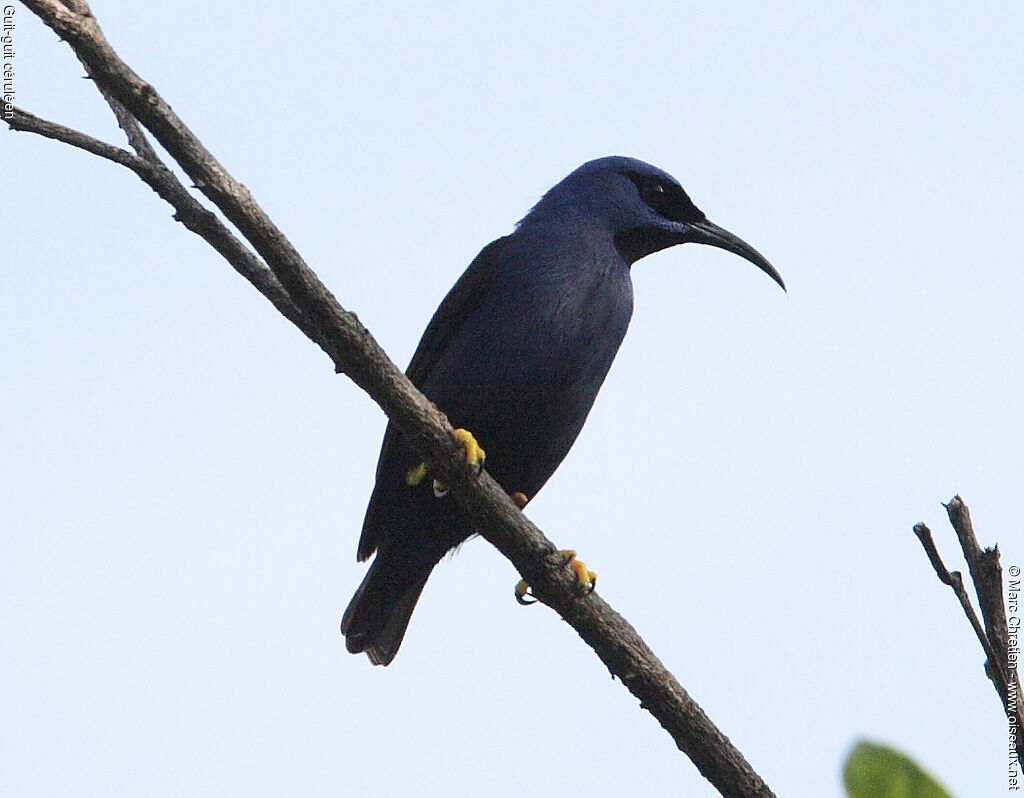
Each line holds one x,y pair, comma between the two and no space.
475,456
415,475
586,580
523,595
519,499
474,453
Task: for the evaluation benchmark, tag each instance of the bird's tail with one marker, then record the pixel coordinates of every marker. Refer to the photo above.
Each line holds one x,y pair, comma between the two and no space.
379,613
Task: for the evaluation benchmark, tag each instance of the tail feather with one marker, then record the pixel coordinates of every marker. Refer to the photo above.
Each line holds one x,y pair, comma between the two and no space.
379,613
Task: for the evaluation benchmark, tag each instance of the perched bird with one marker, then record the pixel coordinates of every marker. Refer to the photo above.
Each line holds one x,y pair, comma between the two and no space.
516,354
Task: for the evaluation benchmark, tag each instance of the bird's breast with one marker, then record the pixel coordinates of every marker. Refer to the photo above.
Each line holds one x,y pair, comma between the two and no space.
525,369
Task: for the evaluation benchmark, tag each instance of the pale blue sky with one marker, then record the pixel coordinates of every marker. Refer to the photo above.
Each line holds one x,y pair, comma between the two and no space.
183,478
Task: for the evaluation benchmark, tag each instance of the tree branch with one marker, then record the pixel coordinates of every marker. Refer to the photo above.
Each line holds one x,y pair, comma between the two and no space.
956,581
298,293
987,576
189,211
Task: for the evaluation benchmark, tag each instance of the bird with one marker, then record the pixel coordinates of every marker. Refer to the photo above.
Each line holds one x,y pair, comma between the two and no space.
515,355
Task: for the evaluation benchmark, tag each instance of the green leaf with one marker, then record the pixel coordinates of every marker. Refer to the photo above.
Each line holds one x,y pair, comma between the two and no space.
877,771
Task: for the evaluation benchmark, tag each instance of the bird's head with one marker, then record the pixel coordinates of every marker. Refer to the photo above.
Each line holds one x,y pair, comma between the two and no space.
643,208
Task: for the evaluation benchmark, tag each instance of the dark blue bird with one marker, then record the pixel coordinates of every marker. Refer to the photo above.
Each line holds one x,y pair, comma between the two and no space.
516,354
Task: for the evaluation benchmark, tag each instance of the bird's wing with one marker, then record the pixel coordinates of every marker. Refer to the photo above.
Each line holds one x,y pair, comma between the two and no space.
457,306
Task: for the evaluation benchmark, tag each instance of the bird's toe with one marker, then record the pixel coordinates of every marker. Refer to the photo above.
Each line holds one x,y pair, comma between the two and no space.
475,454
415,475
586,580
523,595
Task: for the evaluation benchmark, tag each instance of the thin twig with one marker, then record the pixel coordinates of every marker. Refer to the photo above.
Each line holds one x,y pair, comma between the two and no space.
188,210
132,130
986,574
956,581
129,124
24,121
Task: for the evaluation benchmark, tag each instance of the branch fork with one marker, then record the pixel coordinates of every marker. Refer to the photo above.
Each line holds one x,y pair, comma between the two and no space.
992,629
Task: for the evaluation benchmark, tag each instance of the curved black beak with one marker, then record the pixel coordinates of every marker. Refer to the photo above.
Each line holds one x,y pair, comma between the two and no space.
706,232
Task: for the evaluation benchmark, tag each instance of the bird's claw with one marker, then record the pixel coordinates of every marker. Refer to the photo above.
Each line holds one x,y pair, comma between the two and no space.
586,580
523,595
475,456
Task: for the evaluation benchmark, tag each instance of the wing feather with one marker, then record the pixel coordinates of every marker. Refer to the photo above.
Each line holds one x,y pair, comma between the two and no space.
457,306
454,309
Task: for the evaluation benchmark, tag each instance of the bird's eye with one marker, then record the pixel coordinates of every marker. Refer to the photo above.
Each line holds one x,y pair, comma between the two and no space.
668,199
654,194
